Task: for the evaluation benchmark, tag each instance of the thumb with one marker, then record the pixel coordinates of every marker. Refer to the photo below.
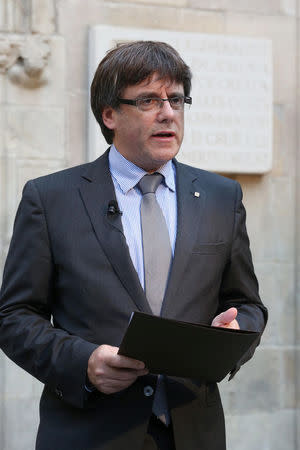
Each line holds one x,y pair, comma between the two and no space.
225,317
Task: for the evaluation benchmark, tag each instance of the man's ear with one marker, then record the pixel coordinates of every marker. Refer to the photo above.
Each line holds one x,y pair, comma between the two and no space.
108,117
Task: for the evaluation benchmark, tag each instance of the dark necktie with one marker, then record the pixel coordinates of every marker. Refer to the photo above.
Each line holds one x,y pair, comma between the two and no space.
157,259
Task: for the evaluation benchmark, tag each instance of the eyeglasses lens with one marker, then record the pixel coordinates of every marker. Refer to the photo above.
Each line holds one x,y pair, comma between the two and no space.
147,104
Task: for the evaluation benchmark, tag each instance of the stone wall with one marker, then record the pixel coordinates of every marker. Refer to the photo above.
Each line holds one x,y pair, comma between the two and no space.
33,142
44,97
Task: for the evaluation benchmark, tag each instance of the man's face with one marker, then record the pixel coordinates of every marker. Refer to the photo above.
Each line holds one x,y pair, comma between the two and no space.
147,138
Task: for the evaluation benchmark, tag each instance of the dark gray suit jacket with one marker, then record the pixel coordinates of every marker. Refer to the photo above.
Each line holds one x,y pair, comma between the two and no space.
69,286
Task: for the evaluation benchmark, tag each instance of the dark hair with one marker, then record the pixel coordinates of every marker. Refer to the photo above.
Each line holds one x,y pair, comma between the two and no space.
131,63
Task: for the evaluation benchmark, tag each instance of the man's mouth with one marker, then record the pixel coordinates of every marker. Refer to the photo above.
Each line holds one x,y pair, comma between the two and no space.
164,134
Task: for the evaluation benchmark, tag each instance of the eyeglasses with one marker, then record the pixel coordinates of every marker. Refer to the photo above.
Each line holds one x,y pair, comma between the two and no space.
151,103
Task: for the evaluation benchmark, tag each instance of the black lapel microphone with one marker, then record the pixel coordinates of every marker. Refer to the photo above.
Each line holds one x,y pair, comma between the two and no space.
113,208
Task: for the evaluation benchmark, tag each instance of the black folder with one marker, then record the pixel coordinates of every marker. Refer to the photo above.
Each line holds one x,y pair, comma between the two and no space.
184,349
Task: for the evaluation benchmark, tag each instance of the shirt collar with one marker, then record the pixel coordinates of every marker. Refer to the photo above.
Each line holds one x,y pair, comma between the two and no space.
127,174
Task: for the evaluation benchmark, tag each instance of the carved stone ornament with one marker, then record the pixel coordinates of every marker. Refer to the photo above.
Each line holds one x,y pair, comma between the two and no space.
25,59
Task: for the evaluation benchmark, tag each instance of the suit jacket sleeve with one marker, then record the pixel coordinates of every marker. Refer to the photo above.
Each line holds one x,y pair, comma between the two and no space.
239,286
27,335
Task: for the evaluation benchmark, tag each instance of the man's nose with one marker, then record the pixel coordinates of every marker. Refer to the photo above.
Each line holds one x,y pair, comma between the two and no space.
166,111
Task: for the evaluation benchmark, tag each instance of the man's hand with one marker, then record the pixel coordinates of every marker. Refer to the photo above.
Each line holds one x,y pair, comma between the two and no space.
110,372
227,319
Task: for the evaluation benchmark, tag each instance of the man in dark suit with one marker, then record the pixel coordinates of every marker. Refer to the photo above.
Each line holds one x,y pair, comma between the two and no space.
76,270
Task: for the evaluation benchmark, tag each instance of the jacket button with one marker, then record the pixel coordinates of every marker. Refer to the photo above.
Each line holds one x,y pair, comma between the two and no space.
148,391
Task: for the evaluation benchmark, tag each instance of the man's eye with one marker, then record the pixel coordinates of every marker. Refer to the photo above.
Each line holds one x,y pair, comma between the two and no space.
147,101
176,100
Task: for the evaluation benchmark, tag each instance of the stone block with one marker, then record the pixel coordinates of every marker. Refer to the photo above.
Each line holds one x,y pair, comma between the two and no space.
248,432
20,423
37,388
2,89
3,25
173,3
200,21
282,31
43,16
298,428
298,310
2,197
284,140
256,387
263,431
2,379
2,130
1,426
283,430
22,15
3,254
76,126
289,7
289,382
270,217
297,353
2,376
1,429
18,383
19,171
119,14
277,292
271,7
35,145
35,132
30,169
53,92
9,9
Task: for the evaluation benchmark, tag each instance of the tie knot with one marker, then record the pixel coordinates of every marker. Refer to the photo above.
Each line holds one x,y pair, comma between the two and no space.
149,183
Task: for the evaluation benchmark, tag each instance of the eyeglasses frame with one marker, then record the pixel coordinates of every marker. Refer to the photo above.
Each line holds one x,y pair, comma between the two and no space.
127,101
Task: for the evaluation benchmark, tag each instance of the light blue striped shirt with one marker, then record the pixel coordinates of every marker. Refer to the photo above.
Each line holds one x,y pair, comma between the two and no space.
125,176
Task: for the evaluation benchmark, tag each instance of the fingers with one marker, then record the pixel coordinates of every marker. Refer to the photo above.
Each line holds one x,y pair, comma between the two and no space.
228,316
120,374
119,361
109,356
110,372
226,319
110,385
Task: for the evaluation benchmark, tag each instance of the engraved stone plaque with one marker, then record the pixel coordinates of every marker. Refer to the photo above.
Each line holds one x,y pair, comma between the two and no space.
229,126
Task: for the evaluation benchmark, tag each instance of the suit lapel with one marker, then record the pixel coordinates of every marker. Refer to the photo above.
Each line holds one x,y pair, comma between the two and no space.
97,190
190,206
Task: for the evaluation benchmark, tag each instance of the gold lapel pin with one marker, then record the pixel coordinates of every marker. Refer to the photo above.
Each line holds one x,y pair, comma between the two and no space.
196,194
